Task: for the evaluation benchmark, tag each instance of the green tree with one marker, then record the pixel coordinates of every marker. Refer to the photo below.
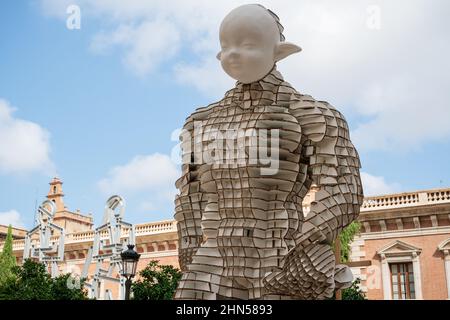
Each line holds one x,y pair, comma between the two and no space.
31,281
157,282
354,292
346,237
7,259
67,287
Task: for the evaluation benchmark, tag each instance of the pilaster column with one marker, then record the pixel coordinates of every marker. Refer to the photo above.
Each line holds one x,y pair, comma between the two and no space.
447,270
417,276
101,294
386,276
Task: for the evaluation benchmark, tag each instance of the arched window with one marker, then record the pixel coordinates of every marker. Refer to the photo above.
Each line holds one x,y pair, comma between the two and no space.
54,189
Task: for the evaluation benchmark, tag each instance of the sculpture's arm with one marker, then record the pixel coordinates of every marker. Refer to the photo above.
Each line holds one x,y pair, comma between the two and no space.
334,167
189,204
188,214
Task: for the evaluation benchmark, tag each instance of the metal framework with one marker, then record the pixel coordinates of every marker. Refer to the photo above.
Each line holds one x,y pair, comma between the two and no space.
107,247
48,251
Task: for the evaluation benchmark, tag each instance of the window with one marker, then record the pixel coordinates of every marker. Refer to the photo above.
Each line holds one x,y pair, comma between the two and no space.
54,190
402,281
444,247
400,271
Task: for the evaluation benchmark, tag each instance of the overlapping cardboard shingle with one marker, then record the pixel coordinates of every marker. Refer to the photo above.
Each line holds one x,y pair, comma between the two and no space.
243,235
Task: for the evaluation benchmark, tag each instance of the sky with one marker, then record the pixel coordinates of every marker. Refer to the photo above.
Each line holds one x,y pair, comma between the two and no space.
94,92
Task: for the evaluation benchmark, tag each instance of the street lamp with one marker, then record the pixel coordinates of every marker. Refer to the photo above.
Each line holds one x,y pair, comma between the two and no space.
130,259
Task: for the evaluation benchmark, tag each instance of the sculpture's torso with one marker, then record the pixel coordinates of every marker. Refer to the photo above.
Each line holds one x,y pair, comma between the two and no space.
239,212
251,217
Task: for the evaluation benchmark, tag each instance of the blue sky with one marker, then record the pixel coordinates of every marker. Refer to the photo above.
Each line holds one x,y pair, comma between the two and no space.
97,105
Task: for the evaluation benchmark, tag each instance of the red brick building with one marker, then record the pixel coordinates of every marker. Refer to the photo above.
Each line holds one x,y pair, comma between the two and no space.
407,239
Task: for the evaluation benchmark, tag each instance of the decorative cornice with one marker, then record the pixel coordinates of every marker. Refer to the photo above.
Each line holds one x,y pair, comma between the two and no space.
402,249
405,233
444,245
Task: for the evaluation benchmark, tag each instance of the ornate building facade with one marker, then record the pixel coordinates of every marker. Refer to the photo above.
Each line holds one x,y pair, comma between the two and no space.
402,251
406,238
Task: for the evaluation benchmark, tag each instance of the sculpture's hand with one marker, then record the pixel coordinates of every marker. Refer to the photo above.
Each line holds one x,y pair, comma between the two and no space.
307,272
313,233
185,257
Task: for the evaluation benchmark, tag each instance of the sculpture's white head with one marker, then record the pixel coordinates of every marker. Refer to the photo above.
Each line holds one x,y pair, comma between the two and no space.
251,43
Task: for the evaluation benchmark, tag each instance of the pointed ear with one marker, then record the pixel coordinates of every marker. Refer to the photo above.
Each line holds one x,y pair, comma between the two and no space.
285,49
218,55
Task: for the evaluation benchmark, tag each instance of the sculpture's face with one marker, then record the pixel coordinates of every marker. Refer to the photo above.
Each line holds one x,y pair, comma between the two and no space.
248,38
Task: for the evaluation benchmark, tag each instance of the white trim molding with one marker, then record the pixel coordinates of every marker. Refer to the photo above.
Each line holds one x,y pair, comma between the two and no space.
399,251
406,233
160,254
444,246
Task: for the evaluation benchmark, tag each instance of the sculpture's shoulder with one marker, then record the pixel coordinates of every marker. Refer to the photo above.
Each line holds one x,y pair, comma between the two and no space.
326,130
318,119
200,114
203,113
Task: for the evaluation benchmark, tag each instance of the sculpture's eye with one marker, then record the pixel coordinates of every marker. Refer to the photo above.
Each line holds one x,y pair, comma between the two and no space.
248,45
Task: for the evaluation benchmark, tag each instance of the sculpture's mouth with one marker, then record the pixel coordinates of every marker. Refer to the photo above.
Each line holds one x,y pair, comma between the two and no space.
235,65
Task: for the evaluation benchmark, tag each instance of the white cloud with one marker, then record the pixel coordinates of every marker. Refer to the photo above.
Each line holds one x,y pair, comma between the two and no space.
199,76
376,185
406,115
396,77
147,44
24,145
149,32
142,172
11,217
151,177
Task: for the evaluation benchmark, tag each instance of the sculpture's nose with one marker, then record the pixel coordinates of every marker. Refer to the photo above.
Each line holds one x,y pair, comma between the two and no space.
233,53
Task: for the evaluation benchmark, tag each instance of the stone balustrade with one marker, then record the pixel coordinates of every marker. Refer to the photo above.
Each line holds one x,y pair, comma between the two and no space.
17,245
438,196
407,199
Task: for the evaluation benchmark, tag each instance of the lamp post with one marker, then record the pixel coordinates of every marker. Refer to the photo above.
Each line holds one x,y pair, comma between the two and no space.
130,259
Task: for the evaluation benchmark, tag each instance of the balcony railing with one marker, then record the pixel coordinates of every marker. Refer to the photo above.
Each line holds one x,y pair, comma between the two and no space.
408,199
438,196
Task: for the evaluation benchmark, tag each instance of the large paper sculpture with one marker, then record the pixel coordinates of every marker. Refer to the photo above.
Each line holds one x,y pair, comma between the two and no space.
248,162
